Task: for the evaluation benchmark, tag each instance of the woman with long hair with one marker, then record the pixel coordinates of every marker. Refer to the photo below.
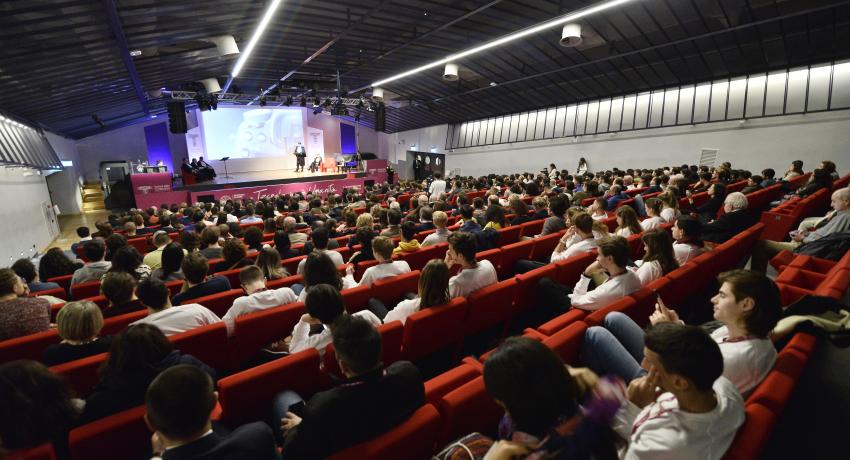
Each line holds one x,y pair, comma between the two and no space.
55,263
235,256
284,245
687,232
433,291
658,259
269,262
627,222
128,259
708,210
669,206
172,258
320,269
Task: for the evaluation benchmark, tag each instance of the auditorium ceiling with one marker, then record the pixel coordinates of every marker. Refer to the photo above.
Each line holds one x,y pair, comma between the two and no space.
63,61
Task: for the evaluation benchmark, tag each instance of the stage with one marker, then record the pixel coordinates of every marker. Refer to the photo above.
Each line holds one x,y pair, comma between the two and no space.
155,189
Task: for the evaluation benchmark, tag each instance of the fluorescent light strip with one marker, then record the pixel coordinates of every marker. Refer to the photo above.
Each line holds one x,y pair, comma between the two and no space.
507,38
243,57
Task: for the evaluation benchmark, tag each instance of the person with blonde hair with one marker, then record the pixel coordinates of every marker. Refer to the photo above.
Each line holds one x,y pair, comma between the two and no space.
79,324
440,220
382,248
269,262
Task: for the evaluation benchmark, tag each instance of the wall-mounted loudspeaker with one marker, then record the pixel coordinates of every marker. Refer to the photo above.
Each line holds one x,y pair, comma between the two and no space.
177,117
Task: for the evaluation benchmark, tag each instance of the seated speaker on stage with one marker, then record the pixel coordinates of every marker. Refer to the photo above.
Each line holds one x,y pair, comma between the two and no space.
203,165
316,163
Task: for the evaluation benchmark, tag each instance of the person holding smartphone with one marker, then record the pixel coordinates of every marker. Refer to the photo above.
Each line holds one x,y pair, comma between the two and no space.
747,304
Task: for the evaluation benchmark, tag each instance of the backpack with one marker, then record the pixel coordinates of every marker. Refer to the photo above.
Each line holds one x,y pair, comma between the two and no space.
831,247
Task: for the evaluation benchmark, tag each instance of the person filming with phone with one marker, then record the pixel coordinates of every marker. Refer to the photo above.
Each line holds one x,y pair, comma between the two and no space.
747,305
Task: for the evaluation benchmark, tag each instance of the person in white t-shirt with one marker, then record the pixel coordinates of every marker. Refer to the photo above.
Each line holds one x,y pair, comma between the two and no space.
578,239
433,291
670,206
437,188
382,248
597,209
473,274
170,320
320,239
687,232
683,408
653,211
627,222
749,306
324,305
258,297
658,257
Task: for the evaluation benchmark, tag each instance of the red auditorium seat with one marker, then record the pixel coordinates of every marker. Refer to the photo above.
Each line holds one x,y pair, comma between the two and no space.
570,270
85,290
490,306
123,435
207,343
360,268
433,329
232,276
525,295
511,254
418,259
803,342
28,347
562,321
393,289
64,282
141,244
567,342
55,292
42,452
256,330
81,374
284,282
466,410
116,324
247,396
442,384
544,246
218,303
414,439
774,391
753,434
532,228
291,264
493,255
356,298
508,235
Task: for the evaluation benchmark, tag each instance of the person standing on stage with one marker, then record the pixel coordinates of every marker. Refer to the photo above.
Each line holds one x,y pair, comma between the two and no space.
300,155
359,159
390,173
417,168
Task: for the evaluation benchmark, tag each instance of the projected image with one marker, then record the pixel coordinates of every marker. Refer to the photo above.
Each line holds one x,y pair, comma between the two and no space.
251,133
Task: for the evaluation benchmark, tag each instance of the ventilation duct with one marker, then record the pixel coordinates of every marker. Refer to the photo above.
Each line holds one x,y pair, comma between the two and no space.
226,45
211,85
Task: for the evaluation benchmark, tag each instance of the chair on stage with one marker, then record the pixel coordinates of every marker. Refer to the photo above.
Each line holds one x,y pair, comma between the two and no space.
328,165
189,178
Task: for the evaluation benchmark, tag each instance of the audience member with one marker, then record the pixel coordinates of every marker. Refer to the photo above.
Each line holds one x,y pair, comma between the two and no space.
687,231
708,210
473,275
119,288
268,260
153,259
555,222
394,220
320,242
658,259
283,245
408,241
627,222
136,357
171,263
113,243
364,236
254,238
179,403
257,297
128,260
79,324
382,247
378,398
325,308
55,263
20,315
235,256
433,290
195,270
155,296
94,251
26,270
654,220
83,233
442,233
295,237
736,218
210,247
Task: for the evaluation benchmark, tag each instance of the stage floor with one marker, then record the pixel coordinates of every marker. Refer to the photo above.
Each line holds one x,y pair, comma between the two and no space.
259,178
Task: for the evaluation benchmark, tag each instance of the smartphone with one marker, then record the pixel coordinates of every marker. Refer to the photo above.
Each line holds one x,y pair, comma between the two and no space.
298,408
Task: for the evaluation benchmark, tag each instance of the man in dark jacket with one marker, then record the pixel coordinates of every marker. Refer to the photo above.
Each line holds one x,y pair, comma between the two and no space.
371,401
735,220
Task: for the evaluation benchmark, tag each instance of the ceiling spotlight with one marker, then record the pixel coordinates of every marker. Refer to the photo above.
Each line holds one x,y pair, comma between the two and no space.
226,45
571,35
135,53
211,85
378,94
450,73
288,101
303,101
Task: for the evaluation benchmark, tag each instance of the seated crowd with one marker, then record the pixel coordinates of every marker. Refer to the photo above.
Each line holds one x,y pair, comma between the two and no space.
671,390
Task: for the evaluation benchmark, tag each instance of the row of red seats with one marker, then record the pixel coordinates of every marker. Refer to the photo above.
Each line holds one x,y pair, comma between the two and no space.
785,217
800,275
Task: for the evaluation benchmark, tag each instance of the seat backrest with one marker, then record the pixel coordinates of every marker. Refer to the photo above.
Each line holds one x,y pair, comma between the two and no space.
284,282
543,246
141,244
532,228
508,235
220,302
59,293
81,374
493,255
63,281
291,264
525,294
246,396
433,329
84,290
774,391
418,259
207,343
413,439
393,289
511,254
450,380
116,324
123,435
42,452
356,298
468,409
256,330
231,275
567,342
569,270
753,434
489,306
28,347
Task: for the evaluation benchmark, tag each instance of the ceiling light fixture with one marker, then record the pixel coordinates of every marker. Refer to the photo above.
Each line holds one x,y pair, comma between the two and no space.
507,39
261,28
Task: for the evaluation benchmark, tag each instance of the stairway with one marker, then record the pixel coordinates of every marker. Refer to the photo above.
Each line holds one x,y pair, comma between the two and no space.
93,197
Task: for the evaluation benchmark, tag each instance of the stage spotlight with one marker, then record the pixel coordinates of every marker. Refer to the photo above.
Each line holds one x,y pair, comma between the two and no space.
288,101
262,101
303,102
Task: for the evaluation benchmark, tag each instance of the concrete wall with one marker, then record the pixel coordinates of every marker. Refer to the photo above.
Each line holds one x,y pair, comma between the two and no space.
26,221
64,186
753,144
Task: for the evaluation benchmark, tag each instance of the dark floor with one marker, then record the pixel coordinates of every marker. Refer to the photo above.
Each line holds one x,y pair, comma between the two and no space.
816,421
